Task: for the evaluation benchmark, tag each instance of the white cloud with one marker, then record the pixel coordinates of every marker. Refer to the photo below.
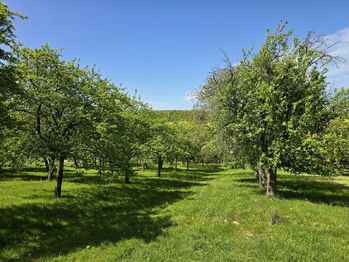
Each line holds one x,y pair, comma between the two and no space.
341,36
339,74
189,96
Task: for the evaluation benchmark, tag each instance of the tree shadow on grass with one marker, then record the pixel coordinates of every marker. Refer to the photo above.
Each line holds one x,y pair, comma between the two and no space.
346,172
167,178
165,183
305,188
198,174
34,169
20,175
90,216
248,180
39,173
33,174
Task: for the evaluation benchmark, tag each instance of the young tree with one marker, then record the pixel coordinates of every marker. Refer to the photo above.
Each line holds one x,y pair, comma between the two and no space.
138,132
59,102
185,140
160,143
120,132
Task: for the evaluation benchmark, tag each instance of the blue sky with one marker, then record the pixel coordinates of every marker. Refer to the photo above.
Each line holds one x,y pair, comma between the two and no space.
165,49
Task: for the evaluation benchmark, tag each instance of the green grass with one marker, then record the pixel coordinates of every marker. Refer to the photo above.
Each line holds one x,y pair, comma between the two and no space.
207,214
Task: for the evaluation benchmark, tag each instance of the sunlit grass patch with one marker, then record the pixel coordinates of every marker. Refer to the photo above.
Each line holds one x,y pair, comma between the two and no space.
206,214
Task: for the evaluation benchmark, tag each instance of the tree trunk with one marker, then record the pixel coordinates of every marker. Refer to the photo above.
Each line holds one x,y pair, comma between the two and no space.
127,178
271,182
144,166
188,164
100,168
128,171
176,165
76,163
86,164
159,166
59,176
51,169
46,165
111,167
262,178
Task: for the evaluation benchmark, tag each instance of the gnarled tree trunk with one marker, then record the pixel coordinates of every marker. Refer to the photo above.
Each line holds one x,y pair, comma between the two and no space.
262,178
271,182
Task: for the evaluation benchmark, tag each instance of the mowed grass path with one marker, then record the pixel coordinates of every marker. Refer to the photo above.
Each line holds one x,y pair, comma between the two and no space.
207,214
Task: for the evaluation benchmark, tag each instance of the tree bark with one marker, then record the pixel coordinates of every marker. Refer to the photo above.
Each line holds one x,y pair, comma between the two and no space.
262,178
51,168
100,168
128,170
76,163
111,167
95,162
86,164
159,166
59,177
127,178
144,166
271,182
176,167
46,164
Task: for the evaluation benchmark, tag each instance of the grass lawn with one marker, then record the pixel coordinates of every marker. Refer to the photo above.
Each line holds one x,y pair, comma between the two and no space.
207,214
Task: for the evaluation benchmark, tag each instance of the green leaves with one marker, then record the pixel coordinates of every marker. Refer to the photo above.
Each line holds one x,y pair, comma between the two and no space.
267,106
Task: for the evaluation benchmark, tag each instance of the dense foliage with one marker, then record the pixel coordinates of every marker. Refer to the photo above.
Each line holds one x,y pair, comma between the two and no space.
272,109
8,86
